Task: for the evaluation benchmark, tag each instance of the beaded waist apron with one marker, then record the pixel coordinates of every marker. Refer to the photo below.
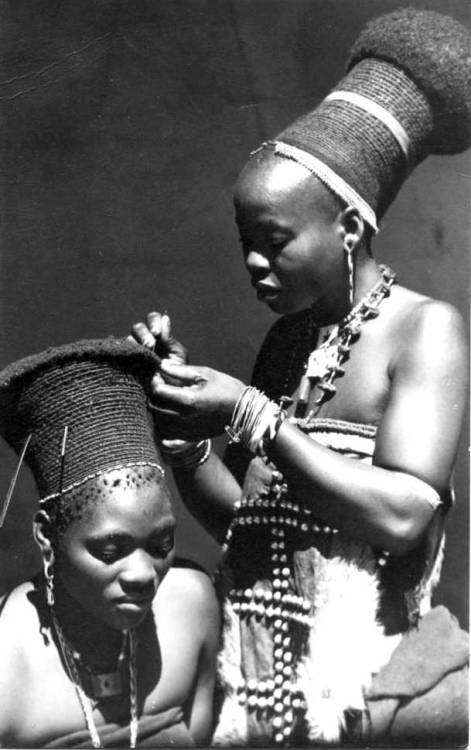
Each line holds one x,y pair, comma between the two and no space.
302,635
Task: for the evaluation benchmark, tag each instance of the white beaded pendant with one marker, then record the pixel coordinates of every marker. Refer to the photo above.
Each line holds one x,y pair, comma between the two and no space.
321,361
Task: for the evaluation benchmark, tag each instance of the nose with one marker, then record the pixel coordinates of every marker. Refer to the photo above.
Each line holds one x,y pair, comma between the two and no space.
139,573
257,264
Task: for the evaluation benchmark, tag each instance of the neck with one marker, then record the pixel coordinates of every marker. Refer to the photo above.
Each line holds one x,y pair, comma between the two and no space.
97,643
336,305
367,274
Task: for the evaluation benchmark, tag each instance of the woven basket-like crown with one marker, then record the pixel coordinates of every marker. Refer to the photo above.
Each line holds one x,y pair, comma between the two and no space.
96,389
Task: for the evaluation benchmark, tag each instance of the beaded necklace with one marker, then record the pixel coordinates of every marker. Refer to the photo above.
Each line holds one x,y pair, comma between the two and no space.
325,362
107,685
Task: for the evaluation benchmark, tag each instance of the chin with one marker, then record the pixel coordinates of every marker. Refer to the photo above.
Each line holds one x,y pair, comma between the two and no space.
285,307
278,306
129,616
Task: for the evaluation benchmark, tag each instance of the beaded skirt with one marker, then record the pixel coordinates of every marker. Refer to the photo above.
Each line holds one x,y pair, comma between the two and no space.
302,621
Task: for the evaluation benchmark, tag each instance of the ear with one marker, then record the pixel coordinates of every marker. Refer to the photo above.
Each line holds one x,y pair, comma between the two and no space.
43,533
352,227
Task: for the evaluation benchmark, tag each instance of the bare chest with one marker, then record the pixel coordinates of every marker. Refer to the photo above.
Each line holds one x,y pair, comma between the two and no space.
49,706
352,386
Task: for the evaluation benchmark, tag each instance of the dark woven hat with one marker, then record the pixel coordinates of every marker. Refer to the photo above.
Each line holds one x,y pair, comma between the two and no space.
95,389
406,94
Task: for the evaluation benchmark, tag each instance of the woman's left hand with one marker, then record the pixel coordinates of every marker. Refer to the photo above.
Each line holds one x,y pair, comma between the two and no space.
198,404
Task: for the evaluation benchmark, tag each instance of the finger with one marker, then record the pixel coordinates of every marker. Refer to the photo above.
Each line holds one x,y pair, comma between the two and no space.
142,334
165,328
157,380
176,351
172,395
188,374
154,323
131,340
165,417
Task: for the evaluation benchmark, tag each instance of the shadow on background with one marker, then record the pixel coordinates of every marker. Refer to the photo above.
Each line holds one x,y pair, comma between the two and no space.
124,128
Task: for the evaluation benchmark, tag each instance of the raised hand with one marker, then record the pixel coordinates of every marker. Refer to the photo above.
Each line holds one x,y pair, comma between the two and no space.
198,403
156,334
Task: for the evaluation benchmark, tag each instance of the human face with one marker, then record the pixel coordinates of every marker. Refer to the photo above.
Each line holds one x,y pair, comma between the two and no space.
290,233
113,558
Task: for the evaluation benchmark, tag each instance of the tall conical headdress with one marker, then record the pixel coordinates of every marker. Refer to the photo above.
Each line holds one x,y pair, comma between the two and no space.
406,94
91,392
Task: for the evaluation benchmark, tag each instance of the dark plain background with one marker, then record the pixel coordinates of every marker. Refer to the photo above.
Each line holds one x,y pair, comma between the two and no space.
124,127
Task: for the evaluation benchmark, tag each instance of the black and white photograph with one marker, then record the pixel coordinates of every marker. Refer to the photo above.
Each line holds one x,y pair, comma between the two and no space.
234,373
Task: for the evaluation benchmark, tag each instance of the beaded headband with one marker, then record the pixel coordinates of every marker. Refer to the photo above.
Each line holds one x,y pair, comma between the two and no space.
82,410
328,176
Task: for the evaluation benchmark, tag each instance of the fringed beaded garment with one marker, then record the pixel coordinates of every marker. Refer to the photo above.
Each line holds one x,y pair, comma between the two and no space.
309,614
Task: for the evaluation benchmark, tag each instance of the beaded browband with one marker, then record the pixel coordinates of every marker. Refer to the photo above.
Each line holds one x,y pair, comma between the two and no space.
100,473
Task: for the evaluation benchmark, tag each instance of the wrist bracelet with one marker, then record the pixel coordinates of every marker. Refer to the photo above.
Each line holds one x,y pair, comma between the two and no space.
255,420
182,454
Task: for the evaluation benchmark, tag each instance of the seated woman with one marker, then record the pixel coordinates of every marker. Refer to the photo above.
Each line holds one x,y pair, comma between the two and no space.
337,483
111,645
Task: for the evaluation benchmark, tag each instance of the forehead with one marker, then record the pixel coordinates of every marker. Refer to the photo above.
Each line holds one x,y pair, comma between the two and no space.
123,502
278,185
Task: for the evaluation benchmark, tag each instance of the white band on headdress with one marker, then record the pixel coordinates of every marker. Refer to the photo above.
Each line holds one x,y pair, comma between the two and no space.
330,178
375,109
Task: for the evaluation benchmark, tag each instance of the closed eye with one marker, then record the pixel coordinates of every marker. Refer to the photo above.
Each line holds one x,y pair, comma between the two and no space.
278,245
108,552
162,547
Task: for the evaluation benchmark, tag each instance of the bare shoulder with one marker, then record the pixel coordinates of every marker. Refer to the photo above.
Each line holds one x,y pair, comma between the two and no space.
18,615
18,637
19,627
427,328
423,308
190,591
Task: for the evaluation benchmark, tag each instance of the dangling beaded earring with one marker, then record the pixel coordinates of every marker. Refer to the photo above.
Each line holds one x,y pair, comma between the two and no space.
48,566
349,248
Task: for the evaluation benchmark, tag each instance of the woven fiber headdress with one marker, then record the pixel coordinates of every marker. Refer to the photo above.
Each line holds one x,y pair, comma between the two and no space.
83,408
406,94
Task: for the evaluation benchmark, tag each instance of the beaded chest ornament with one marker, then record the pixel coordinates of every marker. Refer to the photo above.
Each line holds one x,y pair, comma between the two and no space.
325,362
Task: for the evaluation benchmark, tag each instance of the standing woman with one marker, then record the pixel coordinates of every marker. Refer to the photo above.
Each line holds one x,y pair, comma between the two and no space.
332,503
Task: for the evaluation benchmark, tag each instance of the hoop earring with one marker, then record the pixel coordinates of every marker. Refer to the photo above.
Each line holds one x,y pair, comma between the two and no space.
349,248
48,567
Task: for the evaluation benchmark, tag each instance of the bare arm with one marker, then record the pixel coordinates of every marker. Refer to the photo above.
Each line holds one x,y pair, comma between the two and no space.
209,492
417,439
199,708
384,504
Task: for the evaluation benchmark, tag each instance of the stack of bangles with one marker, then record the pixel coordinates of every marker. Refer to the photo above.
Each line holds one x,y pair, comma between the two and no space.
255,423
182,454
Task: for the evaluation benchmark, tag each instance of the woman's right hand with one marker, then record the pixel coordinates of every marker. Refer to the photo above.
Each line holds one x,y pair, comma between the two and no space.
156,334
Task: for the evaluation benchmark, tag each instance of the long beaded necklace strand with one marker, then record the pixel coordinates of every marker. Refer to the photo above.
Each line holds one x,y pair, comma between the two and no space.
70,658
325,362
106,684
288,613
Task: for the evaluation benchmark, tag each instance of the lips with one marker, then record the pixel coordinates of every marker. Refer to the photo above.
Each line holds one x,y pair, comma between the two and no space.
136,601
266,291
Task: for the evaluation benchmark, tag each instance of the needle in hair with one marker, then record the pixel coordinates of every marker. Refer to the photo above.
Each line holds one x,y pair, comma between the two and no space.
64,443
14,479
